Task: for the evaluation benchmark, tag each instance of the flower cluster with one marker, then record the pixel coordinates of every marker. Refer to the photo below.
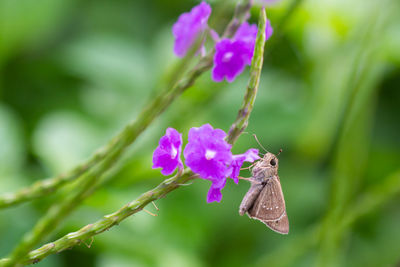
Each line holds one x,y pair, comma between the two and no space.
189,26
206,154
231,55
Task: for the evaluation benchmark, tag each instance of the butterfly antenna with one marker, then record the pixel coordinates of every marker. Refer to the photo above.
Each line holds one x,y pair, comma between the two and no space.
280,151
255,136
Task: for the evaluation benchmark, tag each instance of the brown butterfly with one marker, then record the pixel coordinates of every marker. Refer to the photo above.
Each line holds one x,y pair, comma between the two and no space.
264,201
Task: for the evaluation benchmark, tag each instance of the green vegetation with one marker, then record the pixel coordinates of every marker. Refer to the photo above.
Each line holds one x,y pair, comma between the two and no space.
73,74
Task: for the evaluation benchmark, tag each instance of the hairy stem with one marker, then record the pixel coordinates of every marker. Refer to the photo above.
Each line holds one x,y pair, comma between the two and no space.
112,153
60,210
105,223
160,191
242,118
47,186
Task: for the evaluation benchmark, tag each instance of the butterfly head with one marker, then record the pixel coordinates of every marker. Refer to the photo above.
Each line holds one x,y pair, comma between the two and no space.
269,161
265,167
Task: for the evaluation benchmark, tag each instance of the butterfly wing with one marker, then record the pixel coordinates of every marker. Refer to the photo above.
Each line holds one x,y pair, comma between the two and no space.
281,226
270,207
250,197
270,204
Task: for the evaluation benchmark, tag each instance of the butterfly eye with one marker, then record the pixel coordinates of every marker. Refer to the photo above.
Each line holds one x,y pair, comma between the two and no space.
272,162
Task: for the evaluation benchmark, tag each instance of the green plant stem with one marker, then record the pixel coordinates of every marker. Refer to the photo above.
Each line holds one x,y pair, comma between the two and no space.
242,118
160,191
47,186
104,224
128,135
60,210
121,141
124,138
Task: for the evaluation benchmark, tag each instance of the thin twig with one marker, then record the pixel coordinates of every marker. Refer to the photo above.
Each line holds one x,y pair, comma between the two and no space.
150,213
155,206
91,242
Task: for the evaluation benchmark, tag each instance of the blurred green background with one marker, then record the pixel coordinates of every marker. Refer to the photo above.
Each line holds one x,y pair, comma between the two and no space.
73,73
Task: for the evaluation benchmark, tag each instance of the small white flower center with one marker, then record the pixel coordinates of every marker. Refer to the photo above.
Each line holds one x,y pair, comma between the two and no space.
174,152
210,154
227,56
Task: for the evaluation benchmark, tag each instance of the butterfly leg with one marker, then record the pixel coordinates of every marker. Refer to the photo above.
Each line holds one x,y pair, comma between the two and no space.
252,180
250,197
249,167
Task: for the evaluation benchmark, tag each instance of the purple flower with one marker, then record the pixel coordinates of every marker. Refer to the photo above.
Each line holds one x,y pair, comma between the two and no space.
168,153
247,33
231,56
237,161
188,26
207,153
229,60
214,194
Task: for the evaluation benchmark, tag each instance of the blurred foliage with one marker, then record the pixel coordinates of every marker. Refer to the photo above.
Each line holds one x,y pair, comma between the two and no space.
72,73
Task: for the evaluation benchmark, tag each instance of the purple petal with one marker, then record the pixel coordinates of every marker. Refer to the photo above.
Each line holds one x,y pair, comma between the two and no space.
164,161
268,30
168,153
230,59
250,156
196,132
206,131
207,153
269,2
247,33
189,26
207,169
214,194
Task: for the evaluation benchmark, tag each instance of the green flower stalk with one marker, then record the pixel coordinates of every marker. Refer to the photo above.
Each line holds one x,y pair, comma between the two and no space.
108,221
111,154
255,71
60,210
125,137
